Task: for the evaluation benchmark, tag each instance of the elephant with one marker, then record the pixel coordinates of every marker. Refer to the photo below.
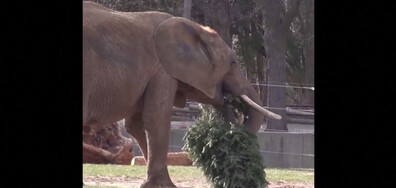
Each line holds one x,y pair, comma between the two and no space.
138,65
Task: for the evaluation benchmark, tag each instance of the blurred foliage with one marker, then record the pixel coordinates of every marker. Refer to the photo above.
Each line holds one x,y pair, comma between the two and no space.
228,154
174,7
236,103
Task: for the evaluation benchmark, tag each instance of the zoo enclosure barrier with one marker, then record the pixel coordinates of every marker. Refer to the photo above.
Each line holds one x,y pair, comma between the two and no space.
298,114
278,149
295,114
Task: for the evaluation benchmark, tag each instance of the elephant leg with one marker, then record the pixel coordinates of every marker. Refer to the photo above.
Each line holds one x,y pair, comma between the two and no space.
134,126
157,111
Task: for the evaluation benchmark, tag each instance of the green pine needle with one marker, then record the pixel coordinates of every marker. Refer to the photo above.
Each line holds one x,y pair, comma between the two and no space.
227,153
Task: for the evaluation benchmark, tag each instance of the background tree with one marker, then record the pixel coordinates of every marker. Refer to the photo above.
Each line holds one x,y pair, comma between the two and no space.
216,14
300,56
174,7
187,8
248,34
307,13
278,16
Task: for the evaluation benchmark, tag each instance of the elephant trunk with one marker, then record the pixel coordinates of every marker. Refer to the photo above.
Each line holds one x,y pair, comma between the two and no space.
256,111
237,85
260,109
255,118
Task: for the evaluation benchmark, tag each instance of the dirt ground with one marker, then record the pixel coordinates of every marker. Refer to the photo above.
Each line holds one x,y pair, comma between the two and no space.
93,181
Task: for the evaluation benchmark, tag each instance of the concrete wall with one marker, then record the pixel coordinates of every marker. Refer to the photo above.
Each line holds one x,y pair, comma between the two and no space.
287,150
279,149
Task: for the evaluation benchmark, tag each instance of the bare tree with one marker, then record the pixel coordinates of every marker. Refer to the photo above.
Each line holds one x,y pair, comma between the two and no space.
308,28
216,14
221,21
187,9
261,62
278,16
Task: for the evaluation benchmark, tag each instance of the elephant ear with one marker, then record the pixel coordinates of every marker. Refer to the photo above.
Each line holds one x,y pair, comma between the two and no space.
185,53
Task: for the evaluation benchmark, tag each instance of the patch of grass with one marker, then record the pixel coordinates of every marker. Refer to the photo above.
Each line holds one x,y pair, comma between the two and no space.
290,175
114,170
182,172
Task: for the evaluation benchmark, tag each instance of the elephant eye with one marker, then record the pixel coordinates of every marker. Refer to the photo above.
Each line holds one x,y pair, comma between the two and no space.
233,64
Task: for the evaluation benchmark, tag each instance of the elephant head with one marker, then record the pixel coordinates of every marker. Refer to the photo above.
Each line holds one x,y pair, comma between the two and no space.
205,67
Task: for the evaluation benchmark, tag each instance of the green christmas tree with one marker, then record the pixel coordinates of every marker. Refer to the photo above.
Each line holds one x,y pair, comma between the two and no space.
227,153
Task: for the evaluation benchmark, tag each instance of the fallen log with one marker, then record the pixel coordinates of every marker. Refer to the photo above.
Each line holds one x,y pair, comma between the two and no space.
174,159
195,107
186,110
302,121
106,145
298,112
96,155
180,118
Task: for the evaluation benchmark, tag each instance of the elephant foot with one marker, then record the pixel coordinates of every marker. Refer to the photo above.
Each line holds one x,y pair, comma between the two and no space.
163,182
150,184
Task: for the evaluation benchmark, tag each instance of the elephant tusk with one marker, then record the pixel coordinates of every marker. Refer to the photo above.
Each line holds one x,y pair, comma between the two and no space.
260,109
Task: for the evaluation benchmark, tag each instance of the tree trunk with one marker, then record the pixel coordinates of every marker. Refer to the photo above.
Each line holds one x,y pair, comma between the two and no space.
276,27
197,14
309,51
261,61
249,73
187,9
277,73
222,20
261,78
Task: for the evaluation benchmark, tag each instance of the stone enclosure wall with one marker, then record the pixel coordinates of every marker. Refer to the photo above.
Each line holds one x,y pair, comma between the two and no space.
279,149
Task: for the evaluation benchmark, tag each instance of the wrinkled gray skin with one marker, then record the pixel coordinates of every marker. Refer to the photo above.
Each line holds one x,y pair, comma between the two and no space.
138,65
